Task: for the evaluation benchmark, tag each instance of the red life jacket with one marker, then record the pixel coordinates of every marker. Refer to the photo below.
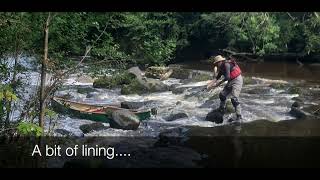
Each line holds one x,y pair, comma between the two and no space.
235,71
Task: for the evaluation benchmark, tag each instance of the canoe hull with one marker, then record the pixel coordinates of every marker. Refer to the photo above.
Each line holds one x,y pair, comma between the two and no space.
96,113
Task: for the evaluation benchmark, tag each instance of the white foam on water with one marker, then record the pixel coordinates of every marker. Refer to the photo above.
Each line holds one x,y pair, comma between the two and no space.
269,81
273,105
195,84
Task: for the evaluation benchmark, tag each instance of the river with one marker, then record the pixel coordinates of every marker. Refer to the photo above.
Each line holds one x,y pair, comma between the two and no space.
259,100
270,136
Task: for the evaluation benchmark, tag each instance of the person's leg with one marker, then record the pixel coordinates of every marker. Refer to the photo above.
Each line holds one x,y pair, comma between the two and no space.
236,104
223,98
235,93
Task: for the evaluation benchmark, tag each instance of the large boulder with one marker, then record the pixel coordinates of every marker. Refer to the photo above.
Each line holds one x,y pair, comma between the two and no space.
134,87
124,119
87,128
116,80
152,85
176,116
215,116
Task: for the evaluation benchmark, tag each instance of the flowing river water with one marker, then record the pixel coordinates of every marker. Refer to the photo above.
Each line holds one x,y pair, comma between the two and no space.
259,100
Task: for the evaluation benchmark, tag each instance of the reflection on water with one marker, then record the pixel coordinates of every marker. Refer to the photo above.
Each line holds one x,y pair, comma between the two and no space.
270,69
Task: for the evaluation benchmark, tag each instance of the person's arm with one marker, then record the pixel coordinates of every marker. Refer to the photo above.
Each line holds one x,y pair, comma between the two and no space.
227,72
218,76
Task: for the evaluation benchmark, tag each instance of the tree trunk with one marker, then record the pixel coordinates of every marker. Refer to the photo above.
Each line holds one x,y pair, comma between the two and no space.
44,73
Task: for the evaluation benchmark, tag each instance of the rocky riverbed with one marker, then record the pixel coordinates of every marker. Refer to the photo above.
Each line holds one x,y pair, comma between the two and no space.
186,104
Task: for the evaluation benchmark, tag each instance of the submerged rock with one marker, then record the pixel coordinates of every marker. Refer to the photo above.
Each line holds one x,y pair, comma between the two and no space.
87,128
64,132
176,116
124,119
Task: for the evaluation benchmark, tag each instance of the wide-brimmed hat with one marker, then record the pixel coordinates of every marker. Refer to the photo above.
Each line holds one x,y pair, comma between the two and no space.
218,59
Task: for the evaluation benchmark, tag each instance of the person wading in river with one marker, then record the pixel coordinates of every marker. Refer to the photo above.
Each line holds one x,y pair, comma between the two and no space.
232,74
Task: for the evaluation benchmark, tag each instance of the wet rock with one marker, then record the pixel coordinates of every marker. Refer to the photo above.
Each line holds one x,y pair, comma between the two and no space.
135,71
132,105
151,85
215,116
85,79
296,104
156,72
178,103
135,105
179,90
176,116
87,128
166,75
298,113
124,119
154,85
64,132
117,80
173,86
135,87
180,73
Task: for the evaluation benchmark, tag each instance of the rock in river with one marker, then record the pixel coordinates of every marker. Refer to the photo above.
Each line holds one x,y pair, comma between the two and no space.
124,119
215,116
135,105
64,132
176,116
87,128
297,112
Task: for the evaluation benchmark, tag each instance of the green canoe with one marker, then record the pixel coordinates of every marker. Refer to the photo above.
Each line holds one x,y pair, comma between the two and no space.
93,112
